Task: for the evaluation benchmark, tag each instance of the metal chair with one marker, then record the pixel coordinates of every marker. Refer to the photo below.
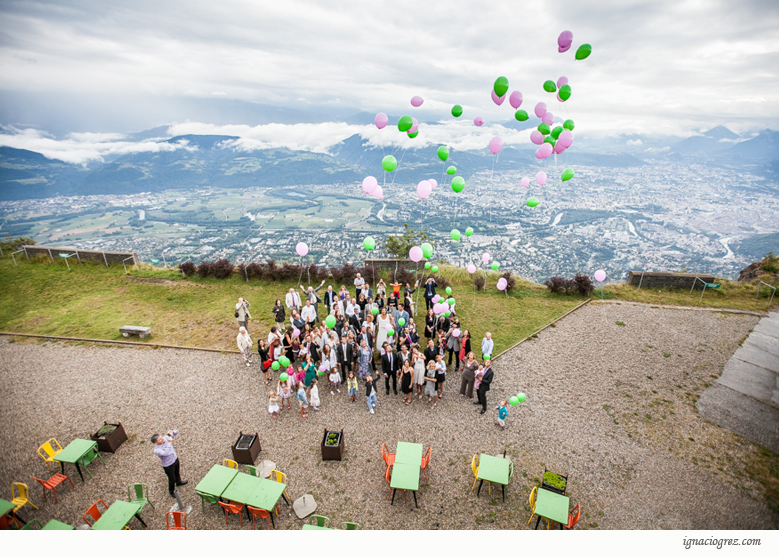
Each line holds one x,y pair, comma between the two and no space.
22,498
230,463
49,450
139,493
94,512
259,513
52,484
350,526
426,460
179,520
321,521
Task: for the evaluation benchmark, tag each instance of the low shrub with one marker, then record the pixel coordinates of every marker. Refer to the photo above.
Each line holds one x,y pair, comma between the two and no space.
187,268
478,281
583,284
511,282
580,284
222,269
204,269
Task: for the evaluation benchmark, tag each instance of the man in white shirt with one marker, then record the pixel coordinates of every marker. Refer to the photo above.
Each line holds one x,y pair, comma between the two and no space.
274,334
292,300
308,314
349,309
359,284
487,346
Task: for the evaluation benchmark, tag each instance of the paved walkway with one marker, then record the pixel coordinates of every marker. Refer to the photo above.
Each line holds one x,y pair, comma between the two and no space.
746,396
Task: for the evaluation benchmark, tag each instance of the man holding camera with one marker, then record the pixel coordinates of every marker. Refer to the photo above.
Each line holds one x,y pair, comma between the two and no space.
170,461
242,314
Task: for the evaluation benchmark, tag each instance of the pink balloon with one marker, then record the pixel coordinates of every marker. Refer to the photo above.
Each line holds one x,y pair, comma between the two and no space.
496,99
485,257
541,178
378,193
478,121
544,151
536,137
301,249
566,138
600,275
295,332
436,298
564,41
501,285
548,118
415,254
414,125
381,120
416,101
540,109
433,183
562,81
515,99
323,368
524,182
558,148
471,268
496,144
456,333
369,184
439,308
424,189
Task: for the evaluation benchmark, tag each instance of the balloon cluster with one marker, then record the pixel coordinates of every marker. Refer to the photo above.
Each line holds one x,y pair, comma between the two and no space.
516,399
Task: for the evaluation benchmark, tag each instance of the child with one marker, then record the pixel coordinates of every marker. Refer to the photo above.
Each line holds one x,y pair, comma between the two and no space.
502,413
430,386
479,374
314,392
335,380
273,404
284,390
351,383
302,400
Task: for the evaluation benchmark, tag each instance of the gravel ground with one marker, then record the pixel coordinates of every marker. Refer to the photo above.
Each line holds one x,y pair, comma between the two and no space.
609,405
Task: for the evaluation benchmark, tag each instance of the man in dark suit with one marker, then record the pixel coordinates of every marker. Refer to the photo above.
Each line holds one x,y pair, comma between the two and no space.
345,353
430,352
390,365
484,387
429,294
330,299
365,335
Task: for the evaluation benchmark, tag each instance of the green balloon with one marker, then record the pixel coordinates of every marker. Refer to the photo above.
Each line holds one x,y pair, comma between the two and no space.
469,231
447,314
549,139
495,266
405,123
556,132
567,174
427,250
435,268
486,356
521,115
451,171
549,86
443,152
544,128
450,301
513,401
374,310
320,373
275,366
427,265
283,377
448,290
457,111
521,397
455,235
532,202
583,51
568,125
284,361
501,86
330,321
369,243
389,163
458,183
565,92
413,135
401,322
390,332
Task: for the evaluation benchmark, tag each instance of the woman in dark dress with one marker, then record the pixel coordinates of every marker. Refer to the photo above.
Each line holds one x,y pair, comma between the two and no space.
429,324
469,375
465,345
264,352
286,343
279,315
406,377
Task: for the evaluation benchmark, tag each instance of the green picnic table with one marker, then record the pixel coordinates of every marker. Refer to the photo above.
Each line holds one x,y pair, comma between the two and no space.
552,506
266,496
216,481
405,470
6,507
74,452
314,527
57,525
494,469
118,515
409,453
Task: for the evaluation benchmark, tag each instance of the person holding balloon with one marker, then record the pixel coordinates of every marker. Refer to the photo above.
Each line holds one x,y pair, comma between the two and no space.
284,390
469,375
264,352
429,294
465,345
430,321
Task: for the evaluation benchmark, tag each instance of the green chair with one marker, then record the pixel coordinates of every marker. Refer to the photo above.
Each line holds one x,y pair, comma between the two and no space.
139,493
321,521
28,526
251,470
88,458
350,526
211,500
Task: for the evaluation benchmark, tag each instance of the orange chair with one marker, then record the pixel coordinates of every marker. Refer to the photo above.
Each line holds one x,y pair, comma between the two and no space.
234,508
389,458
179,520
52,484
259,513
95,513
426,460
573,517
388,477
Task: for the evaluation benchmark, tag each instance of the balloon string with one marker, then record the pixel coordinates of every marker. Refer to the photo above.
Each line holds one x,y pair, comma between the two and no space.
401,160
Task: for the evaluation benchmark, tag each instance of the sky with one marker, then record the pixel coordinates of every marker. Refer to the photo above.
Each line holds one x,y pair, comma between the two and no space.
77,77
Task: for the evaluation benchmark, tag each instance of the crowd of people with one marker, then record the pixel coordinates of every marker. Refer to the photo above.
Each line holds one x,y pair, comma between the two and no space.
339,340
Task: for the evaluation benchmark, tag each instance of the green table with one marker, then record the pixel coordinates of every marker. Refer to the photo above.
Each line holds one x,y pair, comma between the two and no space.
493,469
118,515
406,477
216,481
6,507
57,525
240,488
313,527
75,452
409,453
552,506
266,495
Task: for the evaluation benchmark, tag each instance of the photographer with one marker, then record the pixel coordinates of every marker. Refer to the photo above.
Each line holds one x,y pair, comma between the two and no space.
170,461
242,314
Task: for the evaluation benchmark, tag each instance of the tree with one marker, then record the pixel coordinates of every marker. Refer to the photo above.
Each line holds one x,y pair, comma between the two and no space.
398,246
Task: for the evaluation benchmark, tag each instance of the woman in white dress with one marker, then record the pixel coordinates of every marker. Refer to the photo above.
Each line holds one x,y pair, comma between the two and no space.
419,371
383,322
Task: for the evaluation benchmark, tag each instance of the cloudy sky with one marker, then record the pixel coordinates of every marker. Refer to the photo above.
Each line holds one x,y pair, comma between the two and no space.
94,67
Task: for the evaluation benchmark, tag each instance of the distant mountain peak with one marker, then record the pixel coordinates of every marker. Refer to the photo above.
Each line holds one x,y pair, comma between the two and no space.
721,132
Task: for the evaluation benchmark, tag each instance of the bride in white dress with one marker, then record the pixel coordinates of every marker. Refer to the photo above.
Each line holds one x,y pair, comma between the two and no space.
383,322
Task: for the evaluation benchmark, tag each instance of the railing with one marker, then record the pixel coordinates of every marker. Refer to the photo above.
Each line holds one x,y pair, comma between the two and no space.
757,295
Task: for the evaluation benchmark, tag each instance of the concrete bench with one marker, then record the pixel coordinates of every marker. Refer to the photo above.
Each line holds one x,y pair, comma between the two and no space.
128,330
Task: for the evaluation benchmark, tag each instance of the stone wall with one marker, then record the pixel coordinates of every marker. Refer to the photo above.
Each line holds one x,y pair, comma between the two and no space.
105,257
660,281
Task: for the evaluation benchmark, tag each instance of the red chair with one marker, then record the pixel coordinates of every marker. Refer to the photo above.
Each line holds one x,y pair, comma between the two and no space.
389,458
234,508
388,477
179,520
573,517
259,513
52,484
426,460
94,512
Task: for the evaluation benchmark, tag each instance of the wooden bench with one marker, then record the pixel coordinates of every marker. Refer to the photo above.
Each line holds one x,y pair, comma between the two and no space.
128,330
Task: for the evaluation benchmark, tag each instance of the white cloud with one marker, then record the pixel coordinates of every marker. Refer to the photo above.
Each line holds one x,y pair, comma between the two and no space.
635,142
